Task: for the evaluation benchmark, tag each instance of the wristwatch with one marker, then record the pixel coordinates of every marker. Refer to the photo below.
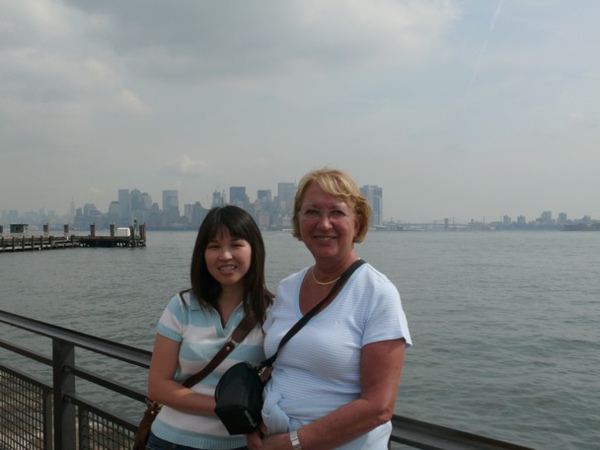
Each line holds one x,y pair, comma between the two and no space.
295,441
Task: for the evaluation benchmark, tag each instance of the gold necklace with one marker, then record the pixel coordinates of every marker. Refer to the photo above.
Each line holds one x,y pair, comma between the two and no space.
322,283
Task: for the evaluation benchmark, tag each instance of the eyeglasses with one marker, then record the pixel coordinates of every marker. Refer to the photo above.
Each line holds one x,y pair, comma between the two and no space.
315,214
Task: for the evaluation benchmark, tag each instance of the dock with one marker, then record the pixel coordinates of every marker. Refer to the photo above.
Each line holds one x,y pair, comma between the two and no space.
120,238
23,243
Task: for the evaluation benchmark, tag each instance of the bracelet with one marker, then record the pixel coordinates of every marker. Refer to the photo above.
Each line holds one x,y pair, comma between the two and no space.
294,440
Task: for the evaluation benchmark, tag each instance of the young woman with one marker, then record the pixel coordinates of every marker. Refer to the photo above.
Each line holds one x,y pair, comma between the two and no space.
228,283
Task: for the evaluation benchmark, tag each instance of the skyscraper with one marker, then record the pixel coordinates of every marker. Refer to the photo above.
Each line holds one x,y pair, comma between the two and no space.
285,196
72,211
238,197
374,195
171,206
263,195
124,216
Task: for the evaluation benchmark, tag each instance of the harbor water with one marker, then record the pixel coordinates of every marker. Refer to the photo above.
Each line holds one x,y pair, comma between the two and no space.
506,325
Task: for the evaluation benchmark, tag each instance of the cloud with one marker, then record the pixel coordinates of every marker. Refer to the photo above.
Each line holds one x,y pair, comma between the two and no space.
32,20
199,42
49,73
184,165
131,102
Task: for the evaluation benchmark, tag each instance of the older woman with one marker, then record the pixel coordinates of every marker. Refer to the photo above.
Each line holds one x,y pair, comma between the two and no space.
334,384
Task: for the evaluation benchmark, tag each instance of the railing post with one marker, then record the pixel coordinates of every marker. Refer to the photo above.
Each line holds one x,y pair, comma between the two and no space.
63,355
47,415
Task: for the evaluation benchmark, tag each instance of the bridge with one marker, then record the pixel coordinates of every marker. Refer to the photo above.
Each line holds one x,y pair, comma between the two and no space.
445,224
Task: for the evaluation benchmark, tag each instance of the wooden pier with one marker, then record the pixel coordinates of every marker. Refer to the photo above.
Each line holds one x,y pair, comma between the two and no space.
22,243
122,238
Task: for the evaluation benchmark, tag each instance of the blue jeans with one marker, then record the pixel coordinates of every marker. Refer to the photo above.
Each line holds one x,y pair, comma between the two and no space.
156,443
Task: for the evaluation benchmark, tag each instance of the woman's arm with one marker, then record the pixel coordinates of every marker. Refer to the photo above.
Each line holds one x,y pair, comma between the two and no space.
381,367
162,387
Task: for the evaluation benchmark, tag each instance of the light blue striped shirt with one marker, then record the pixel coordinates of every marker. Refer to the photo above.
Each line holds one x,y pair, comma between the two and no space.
201,335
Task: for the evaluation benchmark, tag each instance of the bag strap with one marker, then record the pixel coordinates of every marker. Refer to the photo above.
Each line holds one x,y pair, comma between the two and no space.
306,317
238,335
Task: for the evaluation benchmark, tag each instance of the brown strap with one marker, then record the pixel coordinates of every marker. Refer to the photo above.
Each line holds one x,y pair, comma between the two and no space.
238,335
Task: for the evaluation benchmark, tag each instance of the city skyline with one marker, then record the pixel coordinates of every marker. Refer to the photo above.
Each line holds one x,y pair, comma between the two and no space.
222,196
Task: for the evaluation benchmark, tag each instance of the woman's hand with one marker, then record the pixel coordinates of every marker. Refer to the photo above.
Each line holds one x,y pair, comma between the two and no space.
255,439
258,441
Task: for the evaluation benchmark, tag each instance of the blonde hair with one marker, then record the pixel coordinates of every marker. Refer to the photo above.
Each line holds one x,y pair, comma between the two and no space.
338,184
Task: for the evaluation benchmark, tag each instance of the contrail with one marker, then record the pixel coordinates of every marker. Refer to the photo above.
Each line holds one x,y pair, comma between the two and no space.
490,32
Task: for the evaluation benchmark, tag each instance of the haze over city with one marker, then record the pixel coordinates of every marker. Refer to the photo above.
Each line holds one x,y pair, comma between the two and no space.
456,108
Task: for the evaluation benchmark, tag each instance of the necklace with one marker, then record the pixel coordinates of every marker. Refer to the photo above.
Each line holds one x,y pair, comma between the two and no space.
322,283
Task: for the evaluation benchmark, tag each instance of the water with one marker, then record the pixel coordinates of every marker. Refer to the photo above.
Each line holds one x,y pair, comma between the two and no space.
506,325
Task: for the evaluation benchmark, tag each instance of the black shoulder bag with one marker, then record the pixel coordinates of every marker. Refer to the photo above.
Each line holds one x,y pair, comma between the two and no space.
238,394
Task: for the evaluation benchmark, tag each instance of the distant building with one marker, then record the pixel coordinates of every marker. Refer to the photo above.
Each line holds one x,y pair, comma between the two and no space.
238,197
285,197
562,219
546,217
196,213
263,209
114,213
123,198
374,195
218,199
72,209
140,205
264,196
170,206
88,215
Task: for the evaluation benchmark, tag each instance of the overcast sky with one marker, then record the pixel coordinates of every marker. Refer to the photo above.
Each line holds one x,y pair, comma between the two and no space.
457,108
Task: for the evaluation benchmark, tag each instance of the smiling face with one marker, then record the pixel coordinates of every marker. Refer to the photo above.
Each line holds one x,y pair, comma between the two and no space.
228,258
328,226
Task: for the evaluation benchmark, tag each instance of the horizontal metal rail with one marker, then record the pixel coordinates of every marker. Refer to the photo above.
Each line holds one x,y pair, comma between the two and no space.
429,436
108,383
102,346
406,431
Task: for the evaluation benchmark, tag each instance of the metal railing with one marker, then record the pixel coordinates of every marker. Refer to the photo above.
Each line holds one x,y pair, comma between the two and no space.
38,414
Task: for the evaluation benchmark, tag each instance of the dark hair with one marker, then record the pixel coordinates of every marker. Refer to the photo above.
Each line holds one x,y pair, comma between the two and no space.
239,224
